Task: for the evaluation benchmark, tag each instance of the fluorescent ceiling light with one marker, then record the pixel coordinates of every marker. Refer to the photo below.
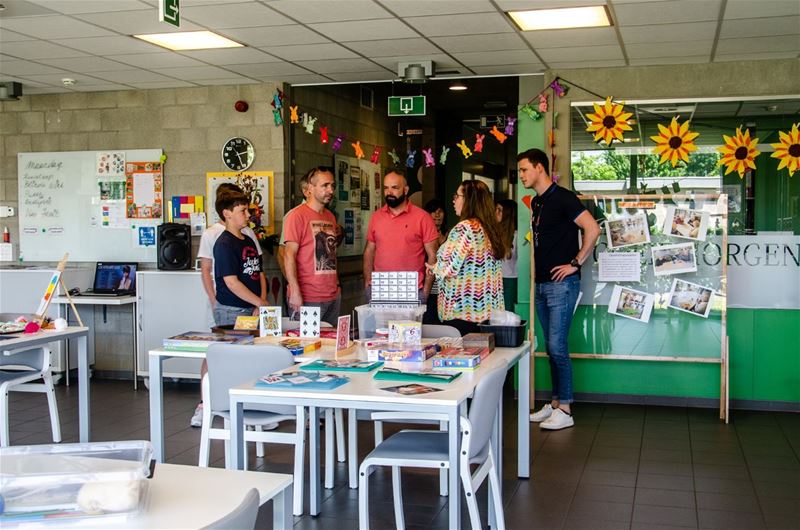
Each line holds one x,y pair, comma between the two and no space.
189,40
570,17
457,85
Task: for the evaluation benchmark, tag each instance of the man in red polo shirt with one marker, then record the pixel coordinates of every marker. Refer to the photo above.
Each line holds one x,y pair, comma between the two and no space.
400,236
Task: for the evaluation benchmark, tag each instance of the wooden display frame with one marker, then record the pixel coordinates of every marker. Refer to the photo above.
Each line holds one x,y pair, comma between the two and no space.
722,360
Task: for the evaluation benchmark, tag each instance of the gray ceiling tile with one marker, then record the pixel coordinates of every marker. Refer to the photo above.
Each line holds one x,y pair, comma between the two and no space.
583,54
479,43
26,68
393,47
785,43
666,12
377,75
669,49
55,79
54,27
760,27
668,32
756,56
100,88
682,59
72,7
469,24
510,69
387,28
525,5
131,76
339,65
411,8
111,45
310,52
311,11
134,22
561,38
18,8
762,8
304,79
156,60
492,58
195,72
587,64
229,79
262,70
38,50
275,36
11,36
234,15
227,56
86,64
172,83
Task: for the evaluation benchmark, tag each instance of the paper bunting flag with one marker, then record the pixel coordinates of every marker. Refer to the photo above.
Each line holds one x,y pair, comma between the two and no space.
464,149
788,149
323,135
531,112
739,152
357,149
277,100
337,143
497,134
542,102
526,200
674,143
479,143
276,115
309,124
394,156
608,122
429,161
510,126
293,117
558,88
551,139
443,156
376,155
412,153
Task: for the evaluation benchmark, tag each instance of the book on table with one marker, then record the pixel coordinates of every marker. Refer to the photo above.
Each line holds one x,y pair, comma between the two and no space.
301,381
460,358
201,340
340,366
421,376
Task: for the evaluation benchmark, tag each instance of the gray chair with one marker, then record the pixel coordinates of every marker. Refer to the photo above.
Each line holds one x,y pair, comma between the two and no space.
27,367
230,365
242,518
435,331
430,449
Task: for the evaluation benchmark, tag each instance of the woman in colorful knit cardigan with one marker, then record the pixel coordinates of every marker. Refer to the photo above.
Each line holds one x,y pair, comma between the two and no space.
467,268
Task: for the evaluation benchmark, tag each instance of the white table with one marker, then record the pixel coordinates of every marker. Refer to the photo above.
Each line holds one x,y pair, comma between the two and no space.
362,392
105,301
24,342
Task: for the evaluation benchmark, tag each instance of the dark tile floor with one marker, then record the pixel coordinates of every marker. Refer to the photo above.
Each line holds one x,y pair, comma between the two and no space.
627,467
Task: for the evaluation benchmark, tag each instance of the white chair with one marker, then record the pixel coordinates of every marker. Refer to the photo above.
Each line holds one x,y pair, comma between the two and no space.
28,366
230,365
436,331
430,449
243,517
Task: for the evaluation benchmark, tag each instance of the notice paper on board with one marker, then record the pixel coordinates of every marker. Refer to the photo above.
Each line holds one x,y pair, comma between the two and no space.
619,266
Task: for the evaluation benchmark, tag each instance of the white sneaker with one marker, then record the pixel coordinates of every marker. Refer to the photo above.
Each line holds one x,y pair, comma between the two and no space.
543,413
558,420
197,417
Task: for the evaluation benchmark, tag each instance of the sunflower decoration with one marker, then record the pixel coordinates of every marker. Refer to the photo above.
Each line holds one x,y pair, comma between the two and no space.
674,143
608,122
788,150
739,152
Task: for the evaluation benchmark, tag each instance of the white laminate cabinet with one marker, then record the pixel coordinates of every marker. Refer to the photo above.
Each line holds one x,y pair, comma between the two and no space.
22,288
169,303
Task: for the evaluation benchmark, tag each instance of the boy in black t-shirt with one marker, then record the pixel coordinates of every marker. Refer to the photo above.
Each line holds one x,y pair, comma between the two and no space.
238,272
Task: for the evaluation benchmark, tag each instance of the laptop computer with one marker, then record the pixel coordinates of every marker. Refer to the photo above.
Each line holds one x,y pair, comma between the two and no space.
114,279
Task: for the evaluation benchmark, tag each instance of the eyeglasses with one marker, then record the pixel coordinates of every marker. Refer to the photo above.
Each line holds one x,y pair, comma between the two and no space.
457,195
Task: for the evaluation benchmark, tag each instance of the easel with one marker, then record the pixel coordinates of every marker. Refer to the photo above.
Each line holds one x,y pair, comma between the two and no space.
48,295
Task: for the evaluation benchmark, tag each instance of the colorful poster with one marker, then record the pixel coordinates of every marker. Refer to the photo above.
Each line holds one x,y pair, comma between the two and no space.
48,293
143,190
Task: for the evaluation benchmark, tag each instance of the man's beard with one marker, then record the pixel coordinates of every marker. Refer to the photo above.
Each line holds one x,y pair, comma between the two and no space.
394,202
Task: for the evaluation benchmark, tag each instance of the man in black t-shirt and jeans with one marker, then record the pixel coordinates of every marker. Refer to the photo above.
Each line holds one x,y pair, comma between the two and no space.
556,218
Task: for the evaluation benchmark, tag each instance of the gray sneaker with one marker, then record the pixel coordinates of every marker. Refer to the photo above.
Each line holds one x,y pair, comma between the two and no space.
542,414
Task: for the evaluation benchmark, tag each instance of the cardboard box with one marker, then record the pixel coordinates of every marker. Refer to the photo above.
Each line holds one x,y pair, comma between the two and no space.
402,353
405,332
478,340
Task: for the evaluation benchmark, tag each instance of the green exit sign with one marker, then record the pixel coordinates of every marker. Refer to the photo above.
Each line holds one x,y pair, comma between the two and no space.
406,105
169,11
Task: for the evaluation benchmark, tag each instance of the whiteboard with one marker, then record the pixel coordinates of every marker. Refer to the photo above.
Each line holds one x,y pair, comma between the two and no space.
60,210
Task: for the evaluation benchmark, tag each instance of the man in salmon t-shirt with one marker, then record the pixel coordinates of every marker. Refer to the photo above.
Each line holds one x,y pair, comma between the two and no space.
400,236
310,249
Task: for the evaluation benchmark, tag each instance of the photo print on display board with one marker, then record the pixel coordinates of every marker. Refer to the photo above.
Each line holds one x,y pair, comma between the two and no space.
627,231
674,259
686,223
630,303
690,298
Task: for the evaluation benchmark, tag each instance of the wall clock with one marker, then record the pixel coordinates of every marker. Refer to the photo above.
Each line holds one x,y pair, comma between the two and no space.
238,153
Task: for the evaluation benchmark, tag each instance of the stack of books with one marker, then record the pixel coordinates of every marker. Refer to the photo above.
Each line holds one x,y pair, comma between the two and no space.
201,340
460,358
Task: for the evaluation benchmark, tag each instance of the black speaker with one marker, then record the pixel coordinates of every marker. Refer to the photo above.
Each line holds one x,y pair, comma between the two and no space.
174,247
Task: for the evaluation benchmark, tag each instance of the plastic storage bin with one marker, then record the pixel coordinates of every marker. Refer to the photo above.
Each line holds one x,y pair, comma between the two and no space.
506,336
70,483
371,318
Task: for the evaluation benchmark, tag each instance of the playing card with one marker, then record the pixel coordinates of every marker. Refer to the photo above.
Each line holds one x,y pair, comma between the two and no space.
309,321
269,321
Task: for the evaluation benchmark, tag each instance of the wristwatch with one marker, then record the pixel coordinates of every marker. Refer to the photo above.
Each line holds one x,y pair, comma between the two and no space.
575,263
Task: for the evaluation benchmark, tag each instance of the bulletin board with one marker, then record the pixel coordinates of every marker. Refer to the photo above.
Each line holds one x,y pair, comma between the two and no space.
96,205
655,287
358,193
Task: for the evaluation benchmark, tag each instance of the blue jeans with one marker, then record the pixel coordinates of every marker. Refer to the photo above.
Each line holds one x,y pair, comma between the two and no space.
555,303
225,315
